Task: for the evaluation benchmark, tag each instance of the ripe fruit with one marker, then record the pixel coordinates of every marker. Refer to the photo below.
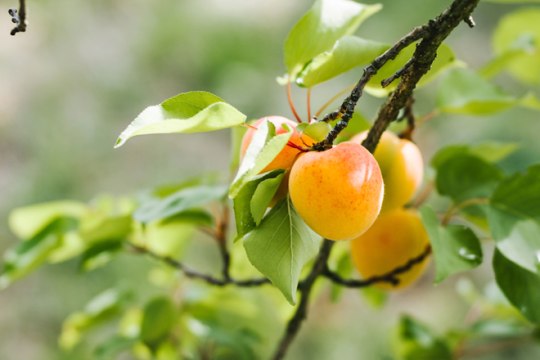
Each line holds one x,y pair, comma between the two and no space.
402,168
338,192
396,237
287,156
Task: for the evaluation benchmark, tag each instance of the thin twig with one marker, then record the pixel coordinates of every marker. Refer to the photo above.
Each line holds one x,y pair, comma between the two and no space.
192,274
390,277
291,103
221,239
18,17
308,105
408,114
332,99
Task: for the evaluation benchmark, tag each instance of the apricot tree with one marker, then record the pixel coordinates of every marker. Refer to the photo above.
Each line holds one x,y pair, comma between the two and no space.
299,186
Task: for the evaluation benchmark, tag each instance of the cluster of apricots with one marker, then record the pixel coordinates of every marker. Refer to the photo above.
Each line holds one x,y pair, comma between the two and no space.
346,193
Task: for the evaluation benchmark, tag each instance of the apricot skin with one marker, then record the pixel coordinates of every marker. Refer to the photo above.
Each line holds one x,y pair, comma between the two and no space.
287,156
338,192
402,168
396,237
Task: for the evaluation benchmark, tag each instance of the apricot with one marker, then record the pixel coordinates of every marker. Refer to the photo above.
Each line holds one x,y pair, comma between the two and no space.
338,192
287,156
402,168
396,237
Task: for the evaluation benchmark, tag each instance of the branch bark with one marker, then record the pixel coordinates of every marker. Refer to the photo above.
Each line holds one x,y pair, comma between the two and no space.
18,17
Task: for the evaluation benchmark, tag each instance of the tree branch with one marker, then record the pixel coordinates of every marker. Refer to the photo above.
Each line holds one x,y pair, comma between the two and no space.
390,277
18,17
192,274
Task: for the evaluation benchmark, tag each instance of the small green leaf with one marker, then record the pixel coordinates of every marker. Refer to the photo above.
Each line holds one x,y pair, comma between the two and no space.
522,245
27,221
189,112
513,1
100,227
445,59
520,286
29,254
159,318
263,195
463,176
455,248
519,194
414,340
178,202
317,130
513,31
167,238
113,347
263,148
247,210
347,53
462,91
99,254
491,152
318,30
237,134
98,310
280,247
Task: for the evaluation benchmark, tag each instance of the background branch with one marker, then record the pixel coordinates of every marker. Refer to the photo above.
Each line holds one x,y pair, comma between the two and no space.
18,17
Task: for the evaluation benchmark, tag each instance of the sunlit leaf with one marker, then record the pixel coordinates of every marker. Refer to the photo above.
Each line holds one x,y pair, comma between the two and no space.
522,245
488,151
159,317
347,53
462,91
99,254
414,340
515,29
280,247
318,30
189,112
113,347
520,286
455,248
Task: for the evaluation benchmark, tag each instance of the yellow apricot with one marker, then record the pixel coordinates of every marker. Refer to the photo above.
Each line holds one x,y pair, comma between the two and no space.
396,237
338,192
402,168
287,156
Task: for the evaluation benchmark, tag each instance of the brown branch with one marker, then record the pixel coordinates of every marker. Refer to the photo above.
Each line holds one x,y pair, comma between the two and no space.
390,277
18,17
192,274
221,239
408,114
305,290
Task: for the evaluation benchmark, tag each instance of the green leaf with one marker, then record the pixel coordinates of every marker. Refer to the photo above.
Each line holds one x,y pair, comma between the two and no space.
113,347
522,245
189,112
519,194
515,29
159,317
455,248
263,148
248,210
520,286
100,227
414,341
491,152
168,238
513,1
29,254
280,247
462,91
316,130
463,176
99,254
445,59
237,134
346,54
98,310
178,202
318,30
27,221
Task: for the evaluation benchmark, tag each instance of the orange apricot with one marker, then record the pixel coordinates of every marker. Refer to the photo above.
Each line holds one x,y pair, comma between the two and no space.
338,192
402,168
396,237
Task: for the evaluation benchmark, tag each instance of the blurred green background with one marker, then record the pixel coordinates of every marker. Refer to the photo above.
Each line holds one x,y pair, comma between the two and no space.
85,69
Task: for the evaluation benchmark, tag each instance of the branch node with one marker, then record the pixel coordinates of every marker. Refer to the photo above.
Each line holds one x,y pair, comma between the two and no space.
470,21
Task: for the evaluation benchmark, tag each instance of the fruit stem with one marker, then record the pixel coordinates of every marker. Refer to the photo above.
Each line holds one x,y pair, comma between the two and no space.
291,103
309,104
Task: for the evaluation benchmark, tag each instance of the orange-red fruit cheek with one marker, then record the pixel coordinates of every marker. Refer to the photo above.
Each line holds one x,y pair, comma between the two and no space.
338,192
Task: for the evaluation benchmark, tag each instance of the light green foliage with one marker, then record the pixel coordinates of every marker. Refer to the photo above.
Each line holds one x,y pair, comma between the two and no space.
159,317
319,29
280,247
317,130
455,248
414,340
190,112
515,29
491,152
346,54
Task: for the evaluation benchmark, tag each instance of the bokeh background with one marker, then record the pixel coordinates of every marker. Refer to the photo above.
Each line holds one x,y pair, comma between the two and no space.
85,69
